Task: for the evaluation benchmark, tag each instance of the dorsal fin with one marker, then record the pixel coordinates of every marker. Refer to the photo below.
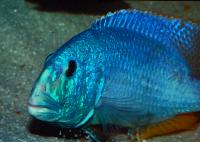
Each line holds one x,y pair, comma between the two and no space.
185,36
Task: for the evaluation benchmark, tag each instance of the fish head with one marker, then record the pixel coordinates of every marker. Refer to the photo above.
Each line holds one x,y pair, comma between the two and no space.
66,91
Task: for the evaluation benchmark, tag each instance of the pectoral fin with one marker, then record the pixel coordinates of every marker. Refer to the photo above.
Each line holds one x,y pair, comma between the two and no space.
98,133
95,132
179,123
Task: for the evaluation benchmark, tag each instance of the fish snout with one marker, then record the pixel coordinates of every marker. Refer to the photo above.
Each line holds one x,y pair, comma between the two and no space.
42,106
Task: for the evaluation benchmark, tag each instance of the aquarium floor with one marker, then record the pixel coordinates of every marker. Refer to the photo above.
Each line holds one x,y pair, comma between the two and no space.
29,31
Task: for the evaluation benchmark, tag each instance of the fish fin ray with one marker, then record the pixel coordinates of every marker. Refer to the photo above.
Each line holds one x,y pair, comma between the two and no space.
179,123
176,33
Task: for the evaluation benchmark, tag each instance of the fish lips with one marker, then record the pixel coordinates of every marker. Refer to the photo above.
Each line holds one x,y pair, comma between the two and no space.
44,108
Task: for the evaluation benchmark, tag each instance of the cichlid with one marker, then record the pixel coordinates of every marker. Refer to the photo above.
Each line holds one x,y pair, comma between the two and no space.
130,69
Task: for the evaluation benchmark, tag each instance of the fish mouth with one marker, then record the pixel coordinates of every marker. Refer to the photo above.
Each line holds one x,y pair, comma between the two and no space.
44,108
44,113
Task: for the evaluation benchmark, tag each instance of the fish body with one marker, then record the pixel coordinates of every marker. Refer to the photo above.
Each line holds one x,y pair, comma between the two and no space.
130,68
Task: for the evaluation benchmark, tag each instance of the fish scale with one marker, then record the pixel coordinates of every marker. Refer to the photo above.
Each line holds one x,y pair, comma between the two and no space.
134,59
130,69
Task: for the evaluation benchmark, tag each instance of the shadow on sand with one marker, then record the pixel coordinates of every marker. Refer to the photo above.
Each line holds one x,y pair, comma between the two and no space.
97,7
44,129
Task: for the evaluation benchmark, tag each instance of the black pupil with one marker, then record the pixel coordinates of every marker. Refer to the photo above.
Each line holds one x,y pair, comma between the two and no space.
71,68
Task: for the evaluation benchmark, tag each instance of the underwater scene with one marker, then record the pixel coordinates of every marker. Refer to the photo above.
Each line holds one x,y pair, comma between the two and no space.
99,71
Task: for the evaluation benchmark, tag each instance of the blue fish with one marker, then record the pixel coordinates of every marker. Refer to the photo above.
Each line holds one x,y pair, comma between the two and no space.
130,69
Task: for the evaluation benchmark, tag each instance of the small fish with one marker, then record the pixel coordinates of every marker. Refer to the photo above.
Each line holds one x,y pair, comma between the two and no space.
131,69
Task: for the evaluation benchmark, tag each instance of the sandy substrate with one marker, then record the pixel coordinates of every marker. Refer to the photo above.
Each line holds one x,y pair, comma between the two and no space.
29,31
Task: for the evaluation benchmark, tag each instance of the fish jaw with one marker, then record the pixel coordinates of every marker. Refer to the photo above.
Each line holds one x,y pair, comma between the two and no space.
41,104
44,108
43,113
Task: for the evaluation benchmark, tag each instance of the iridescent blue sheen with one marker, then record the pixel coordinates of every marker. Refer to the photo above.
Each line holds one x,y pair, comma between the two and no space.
133,68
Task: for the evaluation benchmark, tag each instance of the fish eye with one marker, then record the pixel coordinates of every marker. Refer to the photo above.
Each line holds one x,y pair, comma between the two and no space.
71,68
